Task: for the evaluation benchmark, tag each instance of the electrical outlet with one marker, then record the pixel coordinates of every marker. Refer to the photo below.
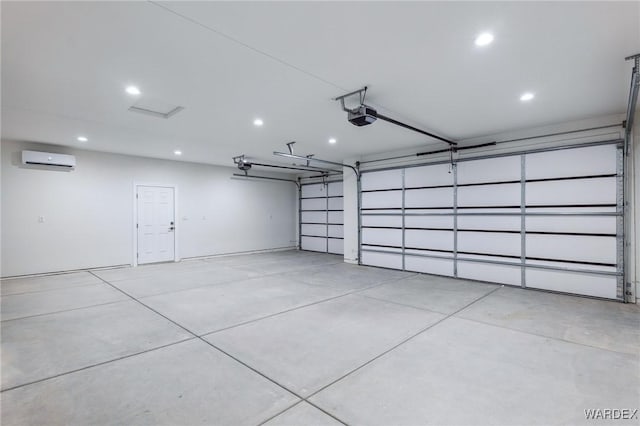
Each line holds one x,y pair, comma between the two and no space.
41,219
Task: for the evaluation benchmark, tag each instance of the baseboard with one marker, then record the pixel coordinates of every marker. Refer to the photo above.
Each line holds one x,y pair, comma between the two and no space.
184,259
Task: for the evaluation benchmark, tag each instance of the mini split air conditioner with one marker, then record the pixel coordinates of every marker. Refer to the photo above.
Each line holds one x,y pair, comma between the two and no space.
48,159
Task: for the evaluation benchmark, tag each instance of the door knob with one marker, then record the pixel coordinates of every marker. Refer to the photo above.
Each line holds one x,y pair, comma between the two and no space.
172,228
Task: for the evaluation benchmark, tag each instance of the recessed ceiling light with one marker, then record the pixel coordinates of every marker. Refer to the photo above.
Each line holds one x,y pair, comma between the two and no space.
177,152
132,90
332,140
258,122
484,39
82,139
527,96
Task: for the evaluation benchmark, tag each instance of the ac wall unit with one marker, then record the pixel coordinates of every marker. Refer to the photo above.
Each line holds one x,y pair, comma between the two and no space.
48,159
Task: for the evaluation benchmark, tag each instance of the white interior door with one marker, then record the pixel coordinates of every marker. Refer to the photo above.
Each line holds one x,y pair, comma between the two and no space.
156,224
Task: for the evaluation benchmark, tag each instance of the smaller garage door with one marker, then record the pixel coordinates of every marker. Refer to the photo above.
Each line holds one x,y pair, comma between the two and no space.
321,217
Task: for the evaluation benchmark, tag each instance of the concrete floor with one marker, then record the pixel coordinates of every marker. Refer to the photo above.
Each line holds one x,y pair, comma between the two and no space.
299,338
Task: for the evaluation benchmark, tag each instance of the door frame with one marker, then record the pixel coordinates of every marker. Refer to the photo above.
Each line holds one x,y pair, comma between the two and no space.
134,252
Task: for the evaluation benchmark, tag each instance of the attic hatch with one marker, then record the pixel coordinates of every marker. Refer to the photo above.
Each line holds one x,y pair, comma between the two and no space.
155,108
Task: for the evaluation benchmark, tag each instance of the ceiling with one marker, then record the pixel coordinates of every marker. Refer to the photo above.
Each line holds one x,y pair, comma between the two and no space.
65,66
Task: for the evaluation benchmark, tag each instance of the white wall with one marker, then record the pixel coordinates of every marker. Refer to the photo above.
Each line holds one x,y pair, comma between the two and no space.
350,205
89,211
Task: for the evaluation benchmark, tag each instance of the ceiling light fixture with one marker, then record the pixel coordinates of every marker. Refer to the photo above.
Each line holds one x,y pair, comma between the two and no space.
133,90
82,139
527,96
258,122
332,140
177,152
484,39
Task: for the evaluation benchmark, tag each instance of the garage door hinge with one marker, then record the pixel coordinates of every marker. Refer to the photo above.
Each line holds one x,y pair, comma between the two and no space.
136,226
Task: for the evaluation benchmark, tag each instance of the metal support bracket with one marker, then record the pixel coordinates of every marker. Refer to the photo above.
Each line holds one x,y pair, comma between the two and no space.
246,175
362,93
299,157
239,159
290,146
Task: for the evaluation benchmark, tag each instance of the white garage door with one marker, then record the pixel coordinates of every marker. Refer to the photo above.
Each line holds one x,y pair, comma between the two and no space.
549,220
321,217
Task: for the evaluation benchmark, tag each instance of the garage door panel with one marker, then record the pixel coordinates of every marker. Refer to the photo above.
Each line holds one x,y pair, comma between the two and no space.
394,221
486,210
503,274
490,223
381,200
335,246
335,231
314,230
314,217
572,247
314,204
588,161
335,203
490,195
335,189
381,180
385,260
564,265
335,217
444,222
384,237
435,240
566,210
313,244
489,243
429,265
584,224
432,197
313,190
572,282
579,191
490,170
435,175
